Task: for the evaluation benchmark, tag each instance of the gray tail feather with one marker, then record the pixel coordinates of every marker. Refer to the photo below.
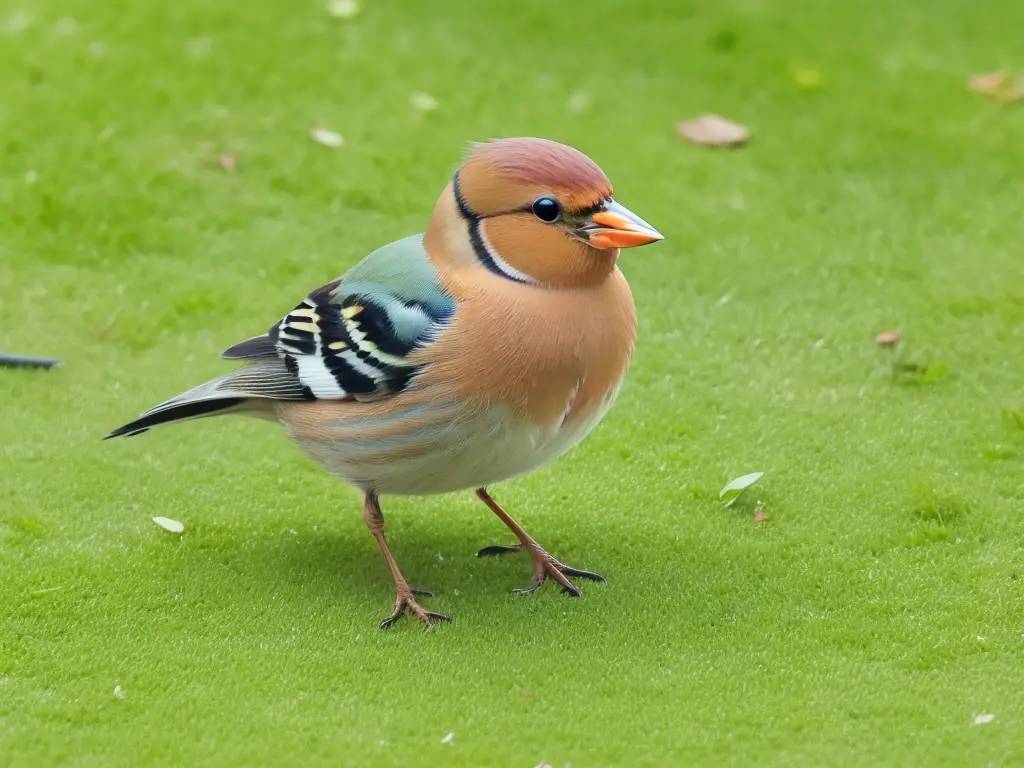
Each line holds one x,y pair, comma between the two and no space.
263,380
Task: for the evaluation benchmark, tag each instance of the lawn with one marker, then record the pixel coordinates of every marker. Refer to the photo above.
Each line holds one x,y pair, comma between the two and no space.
874,615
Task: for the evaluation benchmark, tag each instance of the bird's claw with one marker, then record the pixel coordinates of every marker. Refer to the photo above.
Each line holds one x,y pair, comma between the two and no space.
406,603
544,567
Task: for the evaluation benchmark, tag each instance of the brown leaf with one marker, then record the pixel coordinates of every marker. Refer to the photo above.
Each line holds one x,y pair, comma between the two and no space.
760,517
714,131
227,162
888,339
990,84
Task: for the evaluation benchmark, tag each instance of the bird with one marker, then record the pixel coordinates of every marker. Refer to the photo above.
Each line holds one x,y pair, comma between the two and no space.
451,360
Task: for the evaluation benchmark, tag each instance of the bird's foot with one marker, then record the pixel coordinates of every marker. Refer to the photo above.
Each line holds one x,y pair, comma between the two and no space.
405,602
544,567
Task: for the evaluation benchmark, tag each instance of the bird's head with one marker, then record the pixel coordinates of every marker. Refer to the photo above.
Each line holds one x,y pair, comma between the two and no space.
535,211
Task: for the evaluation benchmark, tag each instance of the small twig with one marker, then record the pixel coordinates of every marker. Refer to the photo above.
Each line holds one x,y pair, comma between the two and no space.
21,361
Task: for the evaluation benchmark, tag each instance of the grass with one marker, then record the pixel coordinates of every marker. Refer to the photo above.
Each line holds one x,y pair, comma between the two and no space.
877,611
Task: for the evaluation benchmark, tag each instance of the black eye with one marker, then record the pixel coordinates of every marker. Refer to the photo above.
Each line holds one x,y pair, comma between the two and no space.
547,209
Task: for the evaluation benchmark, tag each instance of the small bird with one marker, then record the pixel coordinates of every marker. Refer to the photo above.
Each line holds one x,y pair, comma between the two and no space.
457,358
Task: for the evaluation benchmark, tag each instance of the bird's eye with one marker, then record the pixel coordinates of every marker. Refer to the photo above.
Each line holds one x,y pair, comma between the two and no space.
547,209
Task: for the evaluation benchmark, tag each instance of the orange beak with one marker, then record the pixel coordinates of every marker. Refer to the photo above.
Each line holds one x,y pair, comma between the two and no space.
615,226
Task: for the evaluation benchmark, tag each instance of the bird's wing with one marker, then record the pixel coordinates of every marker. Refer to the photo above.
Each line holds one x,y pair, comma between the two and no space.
352,338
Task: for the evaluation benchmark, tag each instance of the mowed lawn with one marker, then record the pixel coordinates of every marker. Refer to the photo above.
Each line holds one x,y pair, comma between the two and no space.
875,614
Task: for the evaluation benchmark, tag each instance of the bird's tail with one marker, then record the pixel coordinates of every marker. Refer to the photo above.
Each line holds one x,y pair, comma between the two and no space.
252,389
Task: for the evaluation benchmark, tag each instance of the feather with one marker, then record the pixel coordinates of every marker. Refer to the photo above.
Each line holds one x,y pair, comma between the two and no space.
263,380
257,346
354,337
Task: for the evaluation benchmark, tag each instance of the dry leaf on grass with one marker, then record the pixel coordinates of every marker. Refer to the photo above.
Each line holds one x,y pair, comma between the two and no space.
990,84
714,131
228,162
1003,86
327,138
760,517
887,339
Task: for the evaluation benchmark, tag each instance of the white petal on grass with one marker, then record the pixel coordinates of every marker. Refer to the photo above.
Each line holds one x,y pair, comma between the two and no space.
169,525
65,26
424,102
327,138
578,102
47,591
448,739
983,719
119,692
734,488
343,9
16,24
198,48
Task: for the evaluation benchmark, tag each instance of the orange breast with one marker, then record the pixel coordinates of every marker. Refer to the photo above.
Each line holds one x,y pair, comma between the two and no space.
549,354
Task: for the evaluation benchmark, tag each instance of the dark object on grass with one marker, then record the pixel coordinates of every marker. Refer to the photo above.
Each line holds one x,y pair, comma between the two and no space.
21,361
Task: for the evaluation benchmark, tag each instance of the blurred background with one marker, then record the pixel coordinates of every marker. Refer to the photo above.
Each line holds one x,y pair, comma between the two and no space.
176,176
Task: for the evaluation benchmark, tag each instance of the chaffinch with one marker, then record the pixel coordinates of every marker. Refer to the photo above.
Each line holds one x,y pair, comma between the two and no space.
454,359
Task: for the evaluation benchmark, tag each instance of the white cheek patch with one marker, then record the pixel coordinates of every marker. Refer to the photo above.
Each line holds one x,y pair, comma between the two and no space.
500,263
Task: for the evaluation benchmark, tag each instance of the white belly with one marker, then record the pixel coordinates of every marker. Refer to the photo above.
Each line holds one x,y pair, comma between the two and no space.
469,452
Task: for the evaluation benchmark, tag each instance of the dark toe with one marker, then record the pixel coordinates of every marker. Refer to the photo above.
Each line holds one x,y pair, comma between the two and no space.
498,549
575,573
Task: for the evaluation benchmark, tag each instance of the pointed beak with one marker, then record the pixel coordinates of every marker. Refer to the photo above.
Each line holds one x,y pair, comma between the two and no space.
615,226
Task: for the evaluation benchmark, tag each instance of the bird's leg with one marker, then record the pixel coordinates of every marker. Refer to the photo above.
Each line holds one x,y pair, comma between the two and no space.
404,600
544,565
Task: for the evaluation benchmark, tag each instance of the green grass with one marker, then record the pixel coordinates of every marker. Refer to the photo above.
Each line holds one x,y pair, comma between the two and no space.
869,620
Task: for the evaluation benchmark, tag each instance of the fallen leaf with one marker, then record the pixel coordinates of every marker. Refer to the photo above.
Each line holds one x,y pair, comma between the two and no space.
714,131
327,138
343,9
448,739
169,525
734,488
760,517
424,102
990,84
983,719
228,162
887,339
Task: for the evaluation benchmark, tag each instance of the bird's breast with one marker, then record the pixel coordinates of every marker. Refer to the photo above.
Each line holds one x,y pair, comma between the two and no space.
552,357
